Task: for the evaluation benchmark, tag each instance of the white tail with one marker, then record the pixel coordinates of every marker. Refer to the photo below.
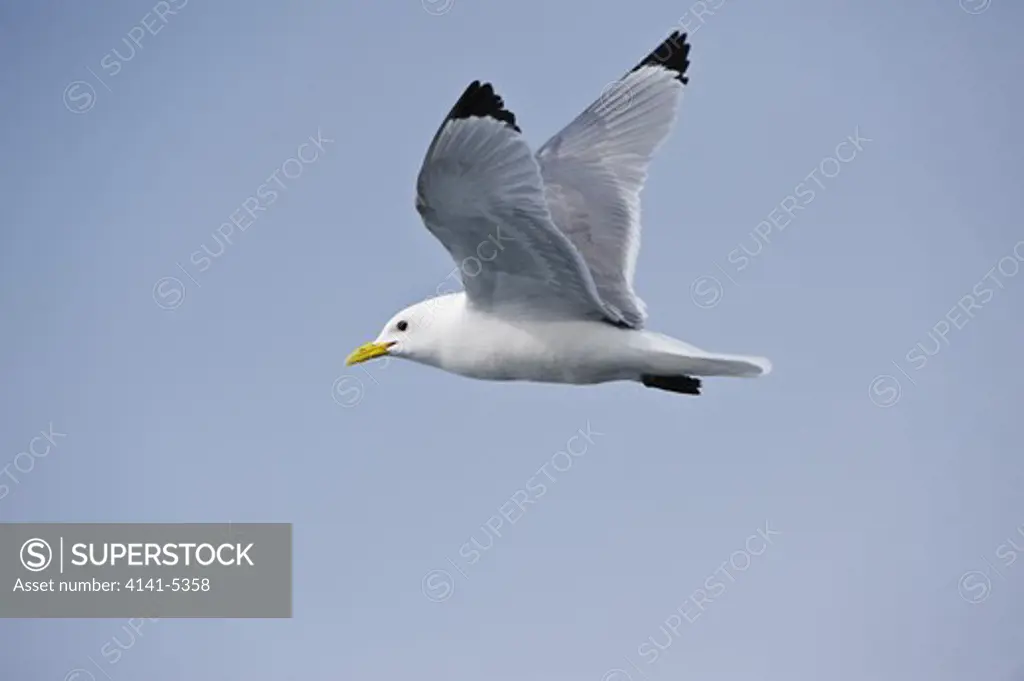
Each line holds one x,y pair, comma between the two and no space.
667,356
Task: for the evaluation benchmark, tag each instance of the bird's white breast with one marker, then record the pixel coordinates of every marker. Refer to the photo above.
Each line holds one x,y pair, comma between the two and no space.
488,346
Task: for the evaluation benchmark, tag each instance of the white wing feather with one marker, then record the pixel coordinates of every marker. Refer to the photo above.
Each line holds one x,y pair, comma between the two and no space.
480,193
595,168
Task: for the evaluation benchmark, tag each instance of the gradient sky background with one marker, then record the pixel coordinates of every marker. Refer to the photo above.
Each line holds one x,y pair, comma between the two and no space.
235,405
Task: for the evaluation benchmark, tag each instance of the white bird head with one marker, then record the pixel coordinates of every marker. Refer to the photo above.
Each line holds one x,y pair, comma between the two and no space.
418,332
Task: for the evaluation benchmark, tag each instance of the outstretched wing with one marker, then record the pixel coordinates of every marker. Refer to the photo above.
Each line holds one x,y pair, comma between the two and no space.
594,169
480,193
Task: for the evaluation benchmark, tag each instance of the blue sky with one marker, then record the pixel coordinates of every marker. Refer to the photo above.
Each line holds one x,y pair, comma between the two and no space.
881,458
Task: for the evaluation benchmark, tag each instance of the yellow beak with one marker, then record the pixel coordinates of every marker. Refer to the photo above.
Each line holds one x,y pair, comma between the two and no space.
367,352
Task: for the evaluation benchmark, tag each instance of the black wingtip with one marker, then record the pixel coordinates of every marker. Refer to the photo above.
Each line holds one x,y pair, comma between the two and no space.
482,101
673,54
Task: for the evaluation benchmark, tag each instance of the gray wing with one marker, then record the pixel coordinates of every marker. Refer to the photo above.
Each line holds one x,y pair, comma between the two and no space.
594,170
480,193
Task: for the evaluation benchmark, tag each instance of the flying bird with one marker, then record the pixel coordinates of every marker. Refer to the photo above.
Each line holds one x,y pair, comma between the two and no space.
547,244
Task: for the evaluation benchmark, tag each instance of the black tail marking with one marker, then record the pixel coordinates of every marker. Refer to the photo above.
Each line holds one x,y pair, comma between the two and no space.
686,385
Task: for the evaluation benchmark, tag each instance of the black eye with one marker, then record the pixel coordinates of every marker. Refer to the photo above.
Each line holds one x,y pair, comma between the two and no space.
402,325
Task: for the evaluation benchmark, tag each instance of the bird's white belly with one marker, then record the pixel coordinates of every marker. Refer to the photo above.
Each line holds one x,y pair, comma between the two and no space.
550,352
